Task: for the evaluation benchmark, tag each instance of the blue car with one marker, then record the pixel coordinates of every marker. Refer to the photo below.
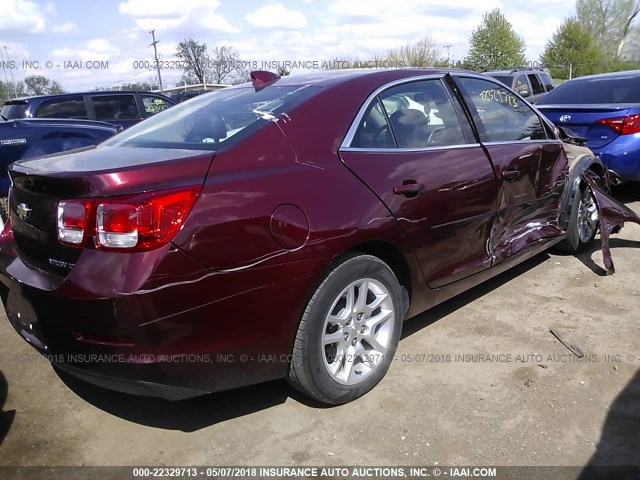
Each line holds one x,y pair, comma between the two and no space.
28,138
604,109
124,108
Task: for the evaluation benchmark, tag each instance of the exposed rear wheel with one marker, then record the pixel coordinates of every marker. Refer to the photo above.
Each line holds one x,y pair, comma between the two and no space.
583,223
349,331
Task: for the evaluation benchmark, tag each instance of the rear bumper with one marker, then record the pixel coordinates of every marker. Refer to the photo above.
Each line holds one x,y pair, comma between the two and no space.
174,340
132,387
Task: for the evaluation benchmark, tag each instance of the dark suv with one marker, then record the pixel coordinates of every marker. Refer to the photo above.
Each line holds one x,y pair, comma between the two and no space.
532,84
123,108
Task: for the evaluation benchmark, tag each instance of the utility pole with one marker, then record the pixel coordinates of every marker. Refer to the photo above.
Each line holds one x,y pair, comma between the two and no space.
448,47
6,79
153,44
13,81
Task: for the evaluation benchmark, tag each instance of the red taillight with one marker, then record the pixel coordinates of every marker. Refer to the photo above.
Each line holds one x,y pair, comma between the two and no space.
73,220
622,125
135,222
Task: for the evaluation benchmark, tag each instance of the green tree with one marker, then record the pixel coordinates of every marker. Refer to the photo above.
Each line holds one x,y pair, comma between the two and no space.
494,44
41,85
424,53
612,22
200,67
572,48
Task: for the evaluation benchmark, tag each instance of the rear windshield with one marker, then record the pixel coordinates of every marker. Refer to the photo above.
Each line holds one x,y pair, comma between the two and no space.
212,119
506,79
596,90
13,110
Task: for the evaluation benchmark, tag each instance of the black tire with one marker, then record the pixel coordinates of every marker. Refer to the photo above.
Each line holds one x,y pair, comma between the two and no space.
308,371
573,243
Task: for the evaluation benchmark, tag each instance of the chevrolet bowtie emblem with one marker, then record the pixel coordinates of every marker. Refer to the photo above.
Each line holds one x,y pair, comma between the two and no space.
23,211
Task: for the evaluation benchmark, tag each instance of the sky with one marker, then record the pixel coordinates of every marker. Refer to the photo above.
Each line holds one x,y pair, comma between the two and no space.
60,37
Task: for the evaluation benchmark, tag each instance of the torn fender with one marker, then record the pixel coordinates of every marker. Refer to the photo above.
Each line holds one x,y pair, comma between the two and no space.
612,213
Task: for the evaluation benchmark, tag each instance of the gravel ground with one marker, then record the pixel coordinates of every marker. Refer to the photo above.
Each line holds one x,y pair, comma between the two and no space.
478,380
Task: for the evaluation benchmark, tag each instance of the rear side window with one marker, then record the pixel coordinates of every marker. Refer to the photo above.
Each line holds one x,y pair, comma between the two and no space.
417,115
503,116
109,108
374,131
536,84
623,89
153,105
13,110
70,107
209,120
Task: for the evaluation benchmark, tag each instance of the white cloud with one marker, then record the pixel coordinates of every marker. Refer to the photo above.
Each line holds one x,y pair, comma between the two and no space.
174,15
276,16
21,16
64,27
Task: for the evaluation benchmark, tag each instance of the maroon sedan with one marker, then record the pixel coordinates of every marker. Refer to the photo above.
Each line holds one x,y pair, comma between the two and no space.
283,228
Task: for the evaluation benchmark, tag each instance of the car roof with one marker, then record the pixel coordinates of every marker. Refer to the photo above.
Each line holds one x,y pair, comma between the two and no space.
329,78
513,71
75,94
626,73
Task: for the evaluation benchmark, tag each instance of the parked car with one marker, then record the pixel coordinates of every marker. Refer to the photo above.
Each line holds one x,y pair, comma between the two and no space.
532,84
283,228
29,138
124,108
605,110
185,95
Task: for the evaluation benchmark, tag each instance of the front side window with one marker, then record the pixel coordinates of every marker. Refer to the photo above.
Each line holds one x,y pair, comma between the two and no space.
109,108
417,114
522,85
214,118
153,105
503,116
70,107
547,81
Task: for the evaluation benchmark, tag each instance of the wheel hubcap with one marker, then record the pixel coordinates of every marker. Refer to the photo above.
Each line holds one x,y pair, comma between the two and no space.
357,331
587,216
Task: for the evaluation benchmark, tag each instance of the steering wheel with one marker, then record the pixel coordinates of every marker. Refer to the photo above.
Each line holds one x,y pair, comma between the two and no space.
433,137
376,136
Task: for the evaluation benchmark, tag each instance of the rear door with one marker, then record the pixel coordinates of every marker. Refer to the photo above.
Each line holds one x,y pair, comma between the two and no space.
530,167
415,150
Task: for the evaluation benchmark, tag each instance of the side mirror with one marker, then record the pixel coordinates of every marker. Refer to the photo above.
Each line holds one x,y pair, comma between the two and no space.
524,92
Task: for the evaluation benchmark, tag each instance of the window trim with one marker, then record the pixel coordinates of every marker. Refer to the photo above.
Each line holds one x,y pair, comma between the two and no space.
353,129
408,150
351,132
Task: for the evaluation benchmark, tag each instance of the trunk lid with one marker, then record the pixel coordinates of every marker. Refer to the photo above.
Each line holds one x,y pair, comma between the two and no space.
581,120
38,186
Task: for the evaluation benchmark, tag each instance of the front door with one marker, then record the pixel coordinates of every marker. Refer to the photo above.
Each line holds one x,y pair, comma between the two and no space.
529,166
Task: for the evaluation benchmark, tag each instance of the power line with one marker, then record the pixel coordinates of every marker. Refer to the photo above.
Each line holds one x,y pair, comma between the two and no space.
155,50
